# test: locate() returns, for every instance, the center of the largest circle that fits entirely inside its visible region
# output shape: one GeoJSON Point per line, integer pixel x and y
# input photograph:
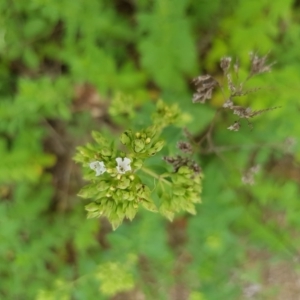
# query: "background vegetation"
{"type": "Point", "coordinates": [70, 67]}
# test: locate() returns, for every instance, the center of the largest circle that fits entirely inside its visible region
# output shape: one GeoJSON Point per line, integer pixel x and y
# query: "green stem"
{"type": "Point", "coordinates": [153, 174]}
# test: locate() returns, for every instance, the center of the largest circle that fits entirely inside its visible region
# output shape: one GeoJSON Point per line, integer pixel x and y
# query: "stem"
{"type": "Point", "coordinates": [156, 176]}
{"type": "Point", "coordinates": [208, 133]}
{"type": "Point", "coordinates": [222, 91]}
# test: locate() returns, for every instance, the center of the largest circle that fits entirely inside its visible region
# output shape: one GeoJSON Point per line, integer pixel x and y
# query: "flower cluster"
{"type": "Point", "coordinates": [120, 182]}
{"type": "Point", "coordinates": [179, 161]}
{"type": "Point", "coordinates": [123, 165]}
{"type": "Point", "coordinates": [235, 127]}
{"type": "Point", "coordinates": [142, 143]}
{"type": "Point", "coordinates": [185, 147]}
{"type": "Point", "coordinates": [206, 83]}
{"type": "Point", "coordinates": [186, 187]}
{"type": "Point", "coordinates": [225, 64]}
{"type": "Point", "coordinates": [258, 64]}
{"type": "Point", "coordinates": [244, 113]}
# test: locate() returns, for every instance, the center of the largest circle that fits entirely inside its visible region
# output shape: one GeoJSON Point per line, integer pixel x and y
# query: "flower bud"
{"type": "Point", "coordinates": [98, 137]}
{"type": "Point", "coordinates": [138, 164]}
{"type": "Point", "coordinates": [158, 146]}
{"type": "Point", "coordinates": [106, 152]}
{"type": "Point", "coordinates": [123, 184]}
{"type": "Point", "coordinates": [139, 145]}
{"type": "Point", "coordinates": [125, 138]}
{"type": "Point", "coordinates": [92, 207]}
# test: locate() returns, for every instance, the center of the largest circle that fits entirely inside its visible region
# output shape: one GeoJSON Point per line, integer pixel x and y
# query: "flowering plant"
{"type": "Point", "coordinates": [119, 182]}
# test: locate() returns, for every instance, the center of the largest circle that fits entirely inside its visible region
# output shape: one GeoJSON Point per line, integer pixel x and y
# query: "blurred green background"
{"type": "Point", "coordinates": [64, 65]}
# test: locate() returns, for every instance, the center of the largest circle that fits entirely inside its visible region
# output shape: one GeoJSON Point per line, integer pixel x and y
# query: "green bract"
{"type": "Point", "coordinates": [125, 184]}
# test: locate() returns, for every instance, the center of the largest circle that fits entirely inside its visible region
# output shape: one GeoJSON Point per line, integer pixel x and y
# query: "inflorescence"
{"type": "Point", "coordinates": [206, 84]}
{"type": "Point", "coordinates": [119, 182]}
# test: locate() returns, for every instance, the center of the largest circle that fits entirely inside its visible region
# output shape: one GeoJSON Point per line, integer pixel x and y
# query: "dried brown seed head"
{"type": "Point", "coordinates": [205, 85]}
{"type": "Point", "coordinates": [235, 127]}
{"type": "Point", "coordinates": [185, 147]}
{"type": "Point", "coordinates": [225, 63]}
{"type": "Point", "coordinates": [259, 64]}
{"type": "Point", "coordinates": [228, 103]}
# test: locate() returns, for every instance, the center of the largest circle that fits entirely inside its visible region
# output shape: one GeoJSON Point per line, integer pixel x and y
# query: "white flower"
{"type": "Point", "coordinates": [123, 165]}
{"type": "Point", "coordinates": [98, 166]}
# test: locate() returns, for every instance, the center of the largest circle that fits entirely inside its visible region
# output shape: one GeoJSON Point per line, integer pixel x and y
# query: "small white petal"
{"type": "Point", "coordinates": [126, 161]}
{"type": "Point", "coordinates": [123, 165]}
{"type": "Point", "coordinates": [98, 166]}
{"type": "Point", "coordinates": [119, 160]}
{"type": "Point", "coordinates": [93, 165]}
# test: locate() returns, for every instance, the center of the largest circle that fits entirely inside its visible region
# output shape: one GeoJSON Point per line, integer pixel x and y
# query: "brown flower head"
{"type": "Point", "coordinates": [204, 86]}
{"type": "Point", "coordinates": [179, 161]}
{"type": "Point", "coordinates": [228, 103]}
{"type": "Point", "coordinates": [247, 113]}
{"type": "Point", "coordinates": [185, 147]}
{"type": "Point", "coordinates": [225, 63]}
{"type": "Point", "coordinates": [235, 127]}
{"type": "Point", "coordinates": [258, 64]}
{"type": "Point", "coordinates": [242, 112]}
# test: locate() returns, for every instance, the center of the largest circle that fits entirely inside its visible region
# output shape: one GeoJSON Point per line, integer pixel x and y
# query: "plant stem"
{"type": "Point", "coordinates": [156, 176]}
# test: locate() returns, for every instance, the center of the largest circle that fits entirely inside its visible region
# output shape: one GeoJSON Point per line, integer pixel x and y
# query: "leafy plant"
{"type": "Point", "coordinates": [71, 67]}
{"type": "Point", "coordinates": [118, 189]}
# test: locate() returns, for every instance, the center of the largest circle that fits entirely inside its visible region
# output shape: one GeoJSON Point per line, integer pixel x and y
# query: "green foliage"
{"type": "Point", "coordinates": [166, 33]}
{"type": "Point", "coordinates": [116, 277]}
{"type": "Point", "coordinates": [70, 67]}
{"type": "Point", "coordinates": [112, 277]}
